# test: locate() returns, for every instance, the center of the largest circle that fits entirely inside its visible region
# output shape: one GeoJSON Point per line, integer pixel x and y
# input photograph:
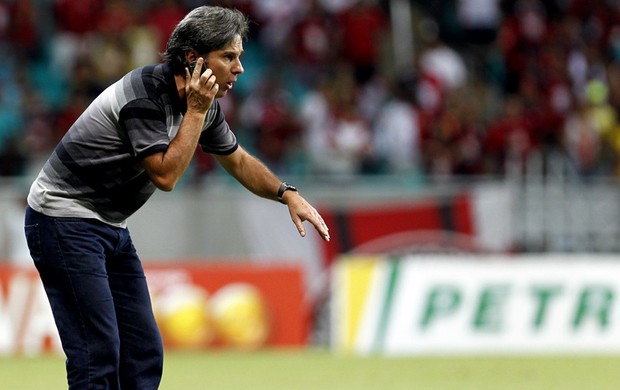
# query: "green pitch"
{"type": "Point", "coordinates": [315, 369]}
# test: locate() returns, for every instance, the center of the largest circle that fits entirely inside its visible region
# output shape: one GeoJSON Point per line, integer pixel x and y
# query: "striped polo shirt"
{"type": "Point", "coordinates": [95, 170]}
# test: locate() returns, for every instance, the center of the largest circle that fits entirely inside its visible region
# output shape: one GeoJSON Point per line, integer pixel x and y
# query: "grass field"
{"type": "Point", "coordinates": [321, 370]}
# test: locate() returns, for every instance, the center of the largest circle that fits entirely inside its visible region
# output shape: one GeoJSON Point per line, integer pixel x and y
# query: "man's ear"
{"type": "Point", "coordinates": [190, 56]}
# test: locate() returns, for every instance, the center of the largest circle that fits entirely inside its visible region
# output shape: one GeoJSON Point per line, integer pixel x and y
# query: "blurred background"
{"type": "Point", "coordinates": [417, 128]}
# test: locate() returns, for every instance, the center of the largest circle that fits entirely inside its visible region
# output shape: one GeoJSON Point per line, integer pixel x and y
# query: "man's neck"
{"type": "Point", "coordinates": [180, 83]}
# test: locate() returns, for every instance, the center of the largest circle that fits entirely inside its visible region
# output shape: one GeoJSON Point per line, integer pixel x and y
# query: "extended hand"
{"type": "Point", "coordinates": [301, 211]}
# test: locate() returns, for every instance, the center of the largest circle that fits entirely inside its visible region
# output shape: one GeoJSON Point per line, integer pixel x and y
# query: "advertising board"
{"type": "Point", "coordinates": [197, 305]}
{"type": "Point", "coordinates": [419, 305]}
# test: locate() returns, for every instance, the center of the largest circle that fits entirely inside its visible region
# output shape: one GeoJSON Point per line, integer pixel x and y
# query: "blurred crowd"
{"type": "Point", "coordinates": [488, 84]}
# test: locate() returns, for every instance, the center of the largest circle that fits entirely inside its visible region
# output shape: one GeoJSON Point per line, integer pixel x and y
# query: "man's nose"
{"type": "Point", "coordinates": [238, 67]}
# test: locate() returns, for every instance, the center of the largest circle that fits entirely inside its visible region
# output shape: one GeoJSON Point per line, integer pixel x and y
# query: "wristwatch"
{"type": "Point", "coordinates": [283, 188]}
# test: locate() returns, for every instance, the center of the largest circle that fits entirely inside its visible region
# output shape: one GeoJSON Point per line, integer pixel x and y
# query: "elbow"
{"type": "Point", "coordinates": [163, 177]}
{"type": "Point", "coordinates": [164, 184]}
{"type": "Point", "coordinates": [166, 187]}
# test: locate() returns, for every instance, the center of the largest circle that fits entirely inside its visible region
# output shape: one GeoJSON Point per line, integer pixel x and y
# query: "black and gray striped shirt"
{"type": "Point", "coordinates": [95, 170]}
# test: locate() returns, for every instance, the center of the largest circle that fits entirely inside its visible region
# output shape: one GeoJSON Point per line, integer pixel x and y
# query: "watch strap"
{"type": "Point", "coordinates": [283, 188]}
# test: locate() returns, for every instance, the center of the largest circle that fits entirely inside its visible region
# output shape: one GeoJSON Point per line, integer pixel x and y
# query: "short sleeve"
{"type": "Point", "coordinates": [217, 137]}
{"type": "Point", "coordinates": [144, 123]}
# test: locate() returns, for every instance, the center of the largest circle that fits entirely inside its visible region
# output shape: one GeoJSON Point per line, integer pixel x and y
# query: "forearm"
{"type": "Point", "coordinates": [251, 173]}
{"type": "Point", "coordinates": [166, 168]}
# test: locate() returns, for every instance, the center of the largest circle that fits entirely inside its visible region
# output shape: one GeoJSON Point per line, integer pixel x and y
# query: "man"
{"type": "Point", "coordinates": [138, 135]}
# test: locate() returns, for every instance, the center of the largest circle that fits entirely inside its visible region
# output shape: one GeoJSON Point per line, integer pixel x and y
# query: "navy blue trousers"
{"type": "Point", "coordinates": [96, 286]}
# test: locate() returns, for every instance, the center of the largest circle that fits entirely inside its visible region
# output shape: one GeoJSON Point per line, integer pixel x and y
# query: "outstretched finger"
{"type": "Point", "coordinates": [319, 224]}
{"type": "Point", "coordinates": [198, 67]}
{"type": "Point", "coordinates": [300, 226]}
{"type": "Point", "coordinates": [323, 230]}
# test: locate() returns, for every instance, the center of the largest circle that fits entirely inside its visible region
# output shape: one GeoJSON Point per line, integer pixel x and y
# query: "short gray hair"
{"type": "Point", "coordinates": [203, 30]}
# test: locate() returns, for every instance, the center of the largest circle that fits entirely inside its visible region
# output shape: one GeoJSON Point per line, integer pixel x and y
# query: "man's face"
{"type": "Point", "coordinates": [226, 65]}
